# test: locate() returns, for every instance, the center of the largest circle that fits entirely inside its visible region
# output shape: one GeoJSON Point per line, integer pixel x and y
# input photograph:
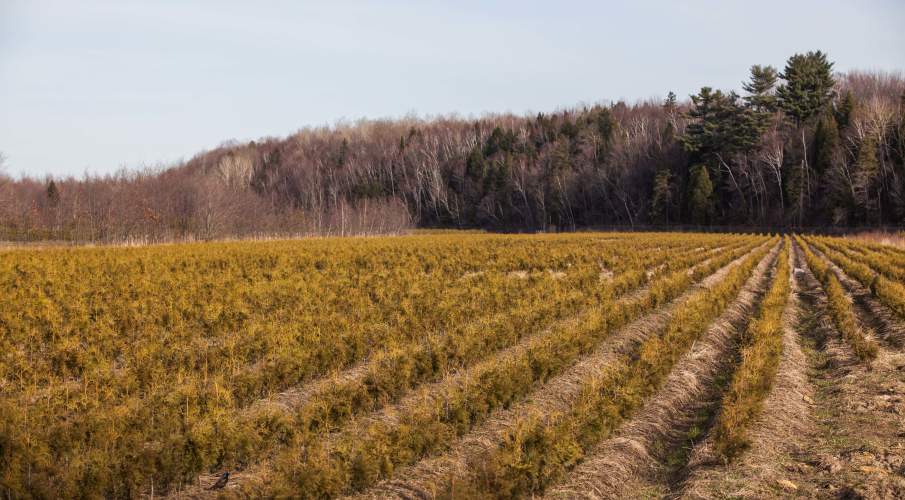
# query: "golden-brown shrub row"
{"type": "Point", "coordinates": [889, 255]}
{"type": "Point", "coordinates": [542, 448]}
{"type": "Point", "coordinates": [391, 373]}
{"type": "Point", "coordinates": [753, 378]}
{"type": "Point", "coordinates": [360, 455]}
{"type": "Point", "coordinates": [840, 306]}
{"type": "Point", "coordinates": [877, 262]}
{"type": "Point", "coordinates": [120, 367]}
{"type": "Point", "coordinates": [881, 272]}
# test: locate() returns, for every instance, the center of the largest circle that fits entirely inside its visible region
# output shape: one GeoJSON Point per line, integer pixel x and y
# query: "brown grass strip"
{"type": "Point", "coordinates": [636, 461]}
{"type": "Point", "coordinates": [429, 477]}
{"type": "Point", "coordinates": [779, 431]}
{"type": "Point", "coordinates": [840, 305]}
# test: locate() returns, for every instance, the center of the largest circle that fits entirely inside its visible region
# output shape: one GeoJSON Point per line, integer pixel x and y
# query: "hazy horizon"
{"type": "Point", "coordinates": [102, 85]}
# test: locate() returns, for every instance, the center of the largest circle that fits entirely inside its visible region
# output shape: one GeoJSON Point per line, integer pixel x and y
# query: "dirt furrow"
{"type": "Point", "coordinates": [853, 447]}
{"type": "Point", "coordinates": [295, 397]}
{"type": "Point", "coordinates": [390, 413]}
{"type": "Point", "coordinates": [778, 434]}
{"type": "Point", "coordinates": [874, 316]}
{"type": "Point", "coordinates": [642, 457]}
{"type": "Point", "coordinates": [387, 414]}
{"type": "Point", "coordinates": [426, 478]}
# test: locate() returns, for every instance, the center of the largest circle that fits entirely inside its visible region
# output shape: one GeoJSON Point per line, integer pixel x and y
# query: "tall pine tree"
{"type": "Point", "coordinates": [760, 88]}
{"type": "Point", "coordinates": [867, 172]}
{"type": "Point", "coordinates": [661, 197]}
{"type": "Point", "coordinates": [701, 189]}
{"type": "Point", "coordinates": [806, 93]}
{"type": "Point", "coordinates": [808, 88]}
{"type": "Point", "coordinates": [53, 194]}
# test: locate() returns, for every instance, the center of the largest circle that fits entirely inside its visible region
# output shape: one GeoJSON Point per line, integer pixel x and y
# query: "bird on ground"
{"type": "Point", "coordinates": [224, 478]}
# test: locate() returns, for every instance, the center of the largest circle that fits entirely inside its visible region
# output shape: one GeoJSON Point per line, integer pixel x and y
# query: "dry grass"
{"type": "Point", "coordinates": [753, 379]}
{"type": "Point", "coordinates": [542, 449]}
{"type": "Point", "coordinates": [895, 239]}
{"type": "Point", "coordinates": [638, 459]}
{"type": "Point", "coordinates": [140, 363]}
{"type": "Point", "coordinates": [840, 305]}
{"type": "Point", "coordinates": [431, 477]}
{"type": "Point", "coordinates": [778, 430]}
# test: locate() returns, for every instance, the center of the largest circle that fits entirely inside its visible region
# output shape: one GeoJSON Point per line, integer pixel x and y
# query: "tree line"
{"type": "Point", "coordinates": [800, 146]}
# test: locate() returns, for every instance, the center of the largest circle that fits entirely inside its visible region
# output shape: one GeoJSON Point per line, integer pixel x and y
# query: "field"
{"type": "Point", "coordinates": [456, 365]}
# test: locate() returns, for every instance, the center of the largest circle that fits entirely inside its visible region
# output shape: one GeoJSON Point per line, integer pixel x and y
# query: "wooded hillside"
{"type": "Point", "coordinates": [797, 146]}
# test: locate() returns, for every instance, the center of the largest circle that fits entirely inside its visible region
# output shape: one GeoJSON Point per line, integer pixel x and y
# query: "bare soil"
{"type": "Point", "coordinates": [833, 427]}
{"type": "Point", "coordinates": [646, 456]}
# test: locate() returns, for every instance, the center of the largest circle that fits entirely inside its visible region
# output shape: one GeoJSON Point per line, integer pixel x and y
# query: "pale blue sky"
{"type": "Point", "coordinates": [93, 85]}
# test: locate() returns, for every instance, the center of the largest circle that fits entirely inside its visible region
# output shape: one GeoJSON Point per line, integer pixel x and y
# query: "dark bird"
{"type": "Point", "coordinates": [220, 482]}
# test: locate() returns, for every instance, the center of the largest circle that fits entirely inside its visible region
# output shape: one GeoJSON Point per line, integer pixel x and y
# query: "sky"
{"type": "Point", "coordinates": [92, 86]}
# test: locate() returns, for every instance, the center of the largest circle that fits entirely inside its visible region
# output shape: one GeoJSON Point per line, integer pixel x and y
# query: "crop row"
{"type": "Point", "coordinates": [120, 364]}
{"type": "Point", "coordinates": [393, 371]}
{"type": "Point", "coordinates": [877, 261]}
{"type": "Point", "coordinates": [431, 420]}
{"type": "Point", "coordinates": [760, 354]}
{"type": "Point", "coordinates": [543, 448]}
{"type": "Point", "coordinates": [876, 272]}
{"type": "Point", "coordinates": [891, 258]}
{"type": "Point", "coordinates": [840, 306]}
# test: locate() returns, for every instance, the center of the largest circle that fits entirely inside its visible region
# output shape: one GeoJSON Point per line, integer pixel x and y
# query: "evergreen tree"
{"type": "Point", "coordinates": [761, 100]}
{"type": "Point", "coordinates": [605, 123]}
{"type": "Point", "coordinates": [834, 194]}
{"type": "Point", "coordinates": [808, 88]}
{"type": "Point", "coordinates": [605, 126]}
{"type": "Point", "coordinates": [474, 166]}
{"type": "Point", "coordinates": [760, 89]}
{"type": "Point", "coordinates": [343, 155]}
{"type": "Point", "coordinates": [826, 143]}
{"type": "Point", "coordinates": [720, 132]}
{"type": "Point", "coordinates": [867, 170]}
{"type": "Point", "coordinates": [720, 126]}
{"type": "Point", "coordinates": [703, 133]}
{"type": "Point", "coordinates": [474, 184]}
{"type": "Point", "coordinates": [844, 109]}
{"type": "Point", "coordinates": [670, 104]}
{"type": "Point", "coordinates": [661, 197]}
{"type": "Point", "coordinates": [561, 160]}
{"type": "Point", "coordinates": [499, 140]}
{"type": "Point", "coordinates": [701, 190]}
{"type": "Point", "coordinates": [53, 194]}
{"type": "Point", "coordinates": [501, 174]}
{"type": "Point", "coordinates": [806, 93]}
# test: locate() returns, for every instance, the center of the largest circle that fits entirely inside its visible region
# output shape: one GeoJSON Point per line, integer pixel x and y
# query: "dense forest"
{"type": "Point", "coordinates": [803, 146]}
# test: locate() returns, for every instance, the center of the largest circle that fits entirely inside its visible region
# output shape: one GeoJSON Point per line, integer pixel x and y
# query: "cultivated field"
{"type": "Point", "coordinates": [456, 365]}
